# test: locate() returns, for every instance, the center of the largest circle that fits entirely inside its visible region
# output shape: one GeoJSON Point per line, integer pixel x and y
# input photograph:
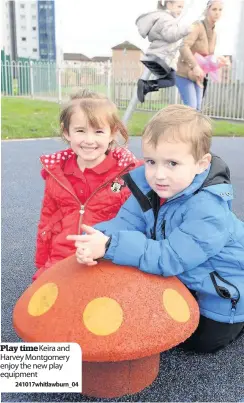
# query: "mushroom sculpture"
{"type": "Point", "coordinates": [121, 318]}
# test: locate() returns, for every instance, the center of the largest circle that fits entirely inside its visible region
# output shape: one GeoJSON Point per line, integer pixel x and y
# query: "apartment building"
{"type": "Point", "coordinates": [28, 29]}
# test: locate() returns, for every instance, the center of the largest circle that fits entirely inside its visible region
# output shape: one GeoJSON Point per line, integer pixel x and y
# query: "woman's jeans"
{"type": "Point", "coordinates": [191, 94]}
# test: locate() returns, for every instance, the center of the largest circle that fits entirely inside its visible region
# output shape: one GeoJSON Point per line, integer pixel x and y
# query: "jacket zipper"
{"type": "Point", "coordinates": [153, 231]}
{"type": "Point", "coordinates": [82, 206]}
{"type": "Point", "coordinates": [223, 293]}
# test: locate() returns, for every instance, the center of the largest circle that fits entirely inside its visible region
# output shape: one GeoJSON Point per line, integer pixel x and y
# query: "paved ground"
{"type": "Point", "coordinates": [183, 377]}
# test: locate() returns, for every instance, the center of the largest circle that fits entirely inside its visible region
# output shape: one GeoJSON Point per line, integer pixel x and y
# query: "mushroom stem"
{"type": "Point", "coordinates": [115, 379]}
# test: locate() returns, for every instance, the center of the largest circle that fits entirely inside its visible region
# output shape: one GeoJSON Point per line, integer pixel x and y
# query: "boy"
{"type": "Point", "coordinates": [178, 222]}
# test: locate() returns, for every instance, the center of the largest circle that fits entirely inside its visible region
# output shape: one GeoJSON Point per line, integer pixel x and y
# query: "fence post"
{"type": "Point", "coordinates": [109, 67]}
{"type": "Point", "coordinates": [31, 80]}
{"type": "Point", "coordinates": [6, 79]}
{"type": "Point", "coordinates": [48, 78]}
{"type": "Point", "coordinates": [134, 100]}
{"type": "Point", "coordinates": [175, 95]}
{"type": "Point", "coordinates": [59, 85]}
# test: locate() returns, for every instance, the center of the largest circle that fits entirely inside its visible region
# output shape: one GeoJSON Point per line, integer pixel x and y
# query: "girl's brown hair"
{"type": "Point", "coordinates": [98, 110]}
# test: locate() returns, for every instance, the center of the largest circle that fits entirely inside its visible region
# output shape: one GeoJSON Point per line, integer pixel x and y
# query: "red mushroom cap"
{"type": "Point", "coordinates": [113, 312]}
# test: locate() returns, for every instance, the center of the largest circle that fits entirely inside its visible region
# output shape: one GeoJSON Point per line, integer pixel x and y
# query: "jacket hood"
{"type": "Point", "coordinates": [50, 162]}
{"type": "Point", "coordinates": [145, 22]}
{"type": "Point", "coordinates": [216, 180]}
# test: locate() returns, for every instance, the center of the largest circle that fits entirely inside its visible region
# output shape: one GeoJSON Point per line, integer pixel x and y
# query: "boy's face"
{"type": "Point", "coordinates": [170, 167]}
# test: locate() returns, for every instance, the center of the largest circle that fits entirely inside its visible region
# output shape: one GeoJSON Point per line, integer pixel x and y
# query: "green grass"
{"type": "Point", "coordinates": [24, 118]}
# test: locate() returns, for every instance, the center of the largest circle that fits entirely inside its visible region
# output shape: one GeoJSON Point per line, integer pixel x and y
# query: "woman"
{"type": "Point", "coordinates": [202, 40]}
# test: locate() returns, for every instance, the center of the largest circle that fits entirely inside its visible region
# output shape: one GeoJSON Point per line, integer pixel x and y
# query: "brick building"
{"type": "Point", "coordinates": [126, 61]}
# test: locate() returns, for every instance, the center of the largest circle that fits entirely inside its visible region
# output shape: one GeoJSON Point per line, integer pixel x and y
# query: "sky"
{"type": "Point", "coordinates": [93, 27]}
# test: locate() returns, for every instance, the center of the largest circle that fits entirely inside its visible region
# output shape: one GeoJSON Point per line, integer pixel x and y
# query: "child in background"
{"type": "Point", "coordinates": [83, 182]}
{"type": "Point", "coordinates": [178, 222]}
{"type": "Point", "coordinates": [165, 31]}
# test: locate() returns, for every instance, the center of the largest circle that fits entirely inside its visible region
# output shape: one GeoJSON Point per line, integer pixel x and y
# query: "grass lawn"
{"type": "Point", "coordinates": [24, 118]}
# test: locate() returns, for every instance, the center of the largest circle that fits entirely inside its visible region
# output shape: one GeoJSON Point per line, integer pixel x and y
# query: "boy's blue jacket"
{"type": "Point", "coordinates": [193, 236]}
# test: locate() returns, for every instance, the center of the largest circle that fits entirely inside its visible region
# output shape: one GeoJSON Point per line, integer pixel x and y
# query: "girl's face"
{"type": "Point", "coordinates": [176, 7]}
{"type": "Point", "coordinates": [88, 143]}
{"type": "Point", "coordinates": [214, 12]}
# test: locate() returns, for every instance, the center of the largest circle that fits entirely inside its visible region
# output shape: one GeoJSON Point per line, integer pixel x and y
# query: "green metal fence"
{"type": "Point", "coordinates": [224, 99]}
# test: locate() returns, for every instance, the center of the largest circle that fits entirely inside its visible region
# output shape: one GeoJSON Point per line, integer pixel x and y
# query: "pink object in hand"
{"type": "Point", "coordinates": [210, 65]}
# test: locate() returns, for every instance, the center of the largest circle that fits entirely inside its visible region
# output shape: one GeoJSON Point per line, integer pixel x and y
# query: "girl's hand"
{"type": "Point", "coordinates": [84, 256]}
{"type": "Point", "coordinates": [94, 241]}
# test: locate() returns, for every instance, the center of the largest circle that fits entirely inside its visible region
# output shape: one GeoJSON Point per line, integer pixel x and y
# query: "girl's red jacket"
{"type": "Point", "coordinates": [62, 212]}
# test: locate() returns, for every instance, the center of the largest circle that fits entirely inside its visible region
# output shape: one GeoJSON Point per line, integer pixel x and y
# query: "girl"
{"type": "Point", "coordinates": [165, 31]}
{"type": "Point", "coordinates": [83, 182]}
{"type": "Point", "coordinates": [190, 78]}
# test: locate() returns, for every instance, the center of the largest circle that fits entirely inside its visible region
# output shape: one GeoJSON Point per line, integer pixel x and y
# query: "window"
{"type": "Point", "coordinates": [23, 27]}
{"type": "Point", "coordinates": [33, 6]}
{"type": "Point", "coordinates": [22, 5]}
{"type": "Point", "coordinates": [22, 17]}
{"type": "Point", "coordinates": [34, 38]}
{"type": "Point", "coordinates": [34, 50]}
{"type": "Point", "coordinates": [23, 38]}
{"type": "Point", "coordinates": [34, 17]}
{"type": "Point", "coordinates": [24, 49]}
{"type": "Point", "coordinates": [33, 28]}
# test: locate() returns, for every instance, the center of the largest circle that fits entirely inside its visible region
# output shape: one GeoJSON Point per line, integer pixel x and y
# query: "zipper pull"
{"type": "Point", "coordinates": [233, 309]}
{"type": "Point", "coordinates": [153, 234]}
{"type": "Point", "coordinates": [82, 210]}
{"type": "Point", "coordinates": [163, 229]}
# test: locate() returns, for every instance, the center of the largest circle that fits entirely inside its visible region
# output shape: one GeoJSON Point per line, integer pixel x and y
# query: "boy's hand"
{"type": "Point", "coordinates": [94, 241]}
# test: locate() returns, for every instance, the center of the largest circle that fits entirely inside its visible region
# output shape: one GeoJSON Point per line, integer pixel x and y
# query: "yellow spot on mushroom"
{"type": "Point", "coordinates": [176, 306]}
{"type": "Point", "coordinates": [43, 299]}
{"type": "Point", "coordinates": [103, 316]}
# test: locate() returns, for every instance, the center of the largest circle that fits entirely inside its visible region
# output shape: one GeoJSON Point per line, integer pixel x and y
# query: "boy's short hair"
{"type": "Point", "coordinates": [181, 123]}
